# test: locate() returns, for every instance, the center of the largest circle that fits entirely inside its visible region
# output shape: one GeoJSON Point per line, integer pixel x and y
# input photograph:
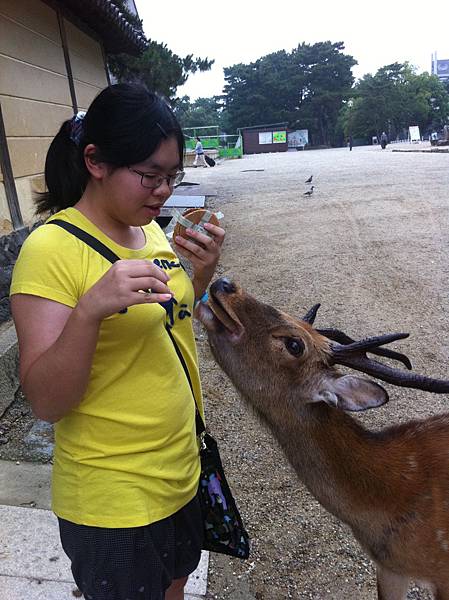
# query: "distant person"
{"type": "Point", "coordinates": [383, 140]}
{"type": "Point", "coordinates": [433, 138]}
{"type": "Point", "coordinates": [350, 142]}
{"type": "Point", "coordinates": [199, 155]}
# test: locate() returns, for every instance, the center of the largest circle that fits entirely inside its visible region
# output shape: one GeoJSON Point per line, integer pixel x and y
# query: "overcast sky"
{"type": "Point", "coordinates": [375, 33]}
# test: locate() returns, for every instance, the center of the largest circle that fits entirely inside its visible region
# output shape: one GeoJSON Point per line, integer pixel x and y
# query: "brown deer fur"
{"type": "Point", "coordinates": [390, 487]}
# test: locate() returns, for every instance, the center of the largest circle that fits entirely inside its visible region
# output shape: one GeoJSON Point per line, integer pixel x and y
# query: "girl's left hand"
{"type": "Point", "coordinates": [202, 251]}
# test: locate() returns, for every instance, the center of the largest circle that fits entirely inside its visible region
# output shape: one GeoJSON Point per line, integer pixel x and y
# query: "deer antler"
{"type": "Point", "coordinates": [310, 315]}
{"type": "Point", "coordinates": [341, 337]}
{"type": "Point", "coordinates": [353, 355]}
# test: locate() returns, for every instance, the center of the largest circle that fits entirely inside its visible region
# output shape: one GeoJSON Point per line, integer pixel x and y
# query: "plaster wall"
{"type": "Point", "coordinates": [35, 93]}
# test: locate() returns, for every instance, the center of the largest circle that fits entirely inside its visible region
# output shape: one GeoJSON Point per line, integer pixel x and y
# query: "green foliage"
{"type": "Point", "coordinates": [135, 21]}
{"type": "Point", "coordinates": [304, 87]}
{"type": "Point", "coordinates": [202, 112]}
{"type": "Point", "coordinates": [392, 100]}
{"type": "Point", "coordinates": [158, 68]}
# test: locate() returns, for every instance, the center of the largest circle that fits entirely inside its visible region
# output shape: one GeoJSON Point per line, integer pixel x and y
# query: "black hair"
{"type": "Point", "coordinates": [126, 123]}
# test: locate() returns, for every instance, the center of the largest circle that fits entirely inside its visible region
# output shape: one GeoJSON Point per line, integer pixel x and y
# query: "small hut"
{"type": "Point", "coordinates": [264, 138]}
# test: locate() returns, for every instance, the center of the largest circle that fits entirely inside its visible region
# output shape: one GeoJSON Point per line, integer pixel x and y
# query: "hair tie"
{"type": "Point", "coordinates": [76, 127]}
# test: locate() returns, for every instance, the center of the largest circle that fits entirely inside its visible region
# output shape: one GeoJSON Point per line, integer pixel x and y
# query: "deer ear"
{"type": "Point", "coordinates": [352, 393]}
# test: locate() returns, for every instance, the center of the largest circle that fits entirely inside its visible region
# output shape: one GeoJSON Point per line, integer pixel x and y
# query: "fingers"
{"type": "Point", "coordinates": [150, 296]}
{"type": "Point", "coordinates": [143, 268]}
{"type": "Point", "coordinates": [149, 285]}
{"type": "Point", "coordinates": [199, 243]}
{"type": "Point", "coordinates": [133, 281]}
{"type": "Point", "coordinates": [217, 232]}
{"type": "Point", "coordinates": [188, 247]}
{"type": "Point", "coordinates": [140, 275]}
{"type": "Point", "coordinates": [125, 283]}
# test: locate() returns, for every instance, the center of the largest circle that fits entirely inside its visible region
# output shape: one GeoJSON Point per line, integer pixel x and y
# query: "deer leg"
{"type": "Point", "coordinates": [391, 586]}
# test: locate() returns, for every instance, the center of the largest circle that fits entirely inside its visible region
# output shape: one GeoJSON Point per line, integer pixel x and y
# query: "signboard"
{"type": "Point", "coordinates": [298, 138]}
{"type": "Point", "coordinates": [265, 137]}
{"type": "Point", "coordinates": [279, 137]}
{"type": "Point", "coordinates": [443, 68]}
{"type": "Point", "coordinates": [414, 133]}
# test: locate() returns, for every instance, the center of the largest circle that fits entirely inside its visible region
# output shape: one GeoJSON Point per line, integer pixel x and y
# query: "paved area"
{"type": "Point", "coordinates": [417, 147]}
{"type": "Point", "coordinates": [32, 563]}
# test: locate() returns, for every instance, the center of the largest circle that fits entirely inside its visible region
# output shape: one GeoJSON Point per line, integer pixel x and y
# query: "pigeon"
{"type": "Point", "coordinates": [309, 180]}
{"type": "Point", "coordinates": [310, 192]}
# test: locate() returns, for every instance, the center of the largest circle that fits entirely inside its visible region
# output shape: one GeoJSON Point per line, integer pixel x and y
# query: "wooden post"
{"type": "Point", "coordinates": [105, 62]}
{"type": "Point", "coordinates": [68, 66]}
{"type": "Point", "coordinates": [8, 178]}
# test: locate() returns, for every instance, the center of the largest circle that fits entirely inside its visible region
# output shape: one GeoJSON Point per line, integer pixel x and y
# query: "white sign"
{"type": "Point", "coordinates": [300, 137]}
{"type": "Point", "coordinates": [266, 137]}
{"type": "Point", "coordinates": [414, 133]}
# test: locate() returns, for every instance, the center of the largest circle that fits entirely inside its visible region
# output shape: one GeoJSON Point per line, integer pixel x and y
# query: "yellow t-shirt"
{"type": "Point", "coordinates": [127, 455]}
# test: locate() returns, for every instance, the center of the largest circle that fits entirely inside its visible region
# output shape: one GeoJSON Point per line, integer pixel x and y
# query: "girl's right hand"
{"type": "Point", "coordinates": [126, 283]}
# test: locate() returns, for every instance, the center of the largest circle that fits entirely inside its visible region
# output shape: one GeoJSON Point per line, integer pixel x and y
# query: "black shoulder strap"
{"type": "Point", "coordinates": [200, 427]}
{"type": "Point", "coordinates": [87, 239]}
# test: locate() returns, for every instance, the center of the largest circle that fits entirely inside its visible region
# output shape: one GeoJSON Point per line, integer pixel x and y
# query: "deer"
{"type": "Point", "coordinates": [391, 487]}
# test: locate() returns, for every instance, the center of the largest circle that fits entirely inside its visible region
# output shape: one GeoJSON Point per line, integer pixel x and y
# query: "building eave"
{"type": "Point", "coordinates": [107, 22]}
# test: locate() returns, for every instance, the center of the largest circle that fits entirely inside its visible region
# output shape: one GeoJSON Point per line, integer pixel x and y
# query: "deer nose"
{"type": "Point", "coordinates": [223, 285]}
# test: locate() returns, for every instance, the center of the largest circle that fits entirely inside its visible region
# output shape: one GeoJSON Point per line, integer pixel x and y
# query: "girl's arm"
{"type": "Point", "coordinates": [56, 348]}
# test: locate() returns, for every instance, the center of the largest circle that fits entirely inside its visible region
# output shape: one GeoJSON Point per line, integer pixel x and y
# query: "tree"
{"type": "Point", "coordinates": [329, 82]}
{"type": "Point", "coordinates": [392, 100]}
{"type": "Point", "coordinates": [158, 68]}
{"type": "Point", "coordinates": [305, 87]}
{"type": "Point", "coordinates": [132, 18]}
{"type": "Point", "coordinates": [202, 112]}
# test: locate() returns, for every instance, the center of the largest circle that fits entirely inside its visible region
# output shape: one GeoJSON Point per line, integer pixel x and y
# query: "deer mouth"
{"type": "Point", "coordinates": [219, 318]}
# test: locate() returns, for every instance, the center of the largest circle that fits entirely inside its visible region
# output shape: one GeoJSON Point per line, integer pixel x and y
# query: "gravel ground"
{"type": "Point", "coordinates": [15, 425]}
{"type": "Point", "coordinates": [370, 244]}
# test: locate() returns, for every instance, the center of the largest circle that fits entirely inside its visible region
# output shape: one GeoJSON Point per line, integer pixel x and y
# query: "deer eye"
{"type": "Point", "coordinates": [294, 346]}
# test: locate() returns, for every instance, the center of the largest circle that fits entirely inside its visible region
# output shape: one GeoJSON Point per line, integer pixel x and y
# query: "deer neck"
{"type": "Point", "coordinates": [342, 464]}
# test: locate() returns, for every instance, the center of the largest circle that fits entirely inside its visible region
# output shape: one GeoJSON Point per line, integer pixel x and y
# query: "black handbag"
{"type": "Point", "coordinates": [224, 531]}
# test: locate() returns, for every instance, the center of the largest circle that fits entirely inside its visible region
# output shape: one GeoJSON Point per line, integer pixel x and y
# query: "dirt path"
{"type": "Point", "coordinates": [371, 244]}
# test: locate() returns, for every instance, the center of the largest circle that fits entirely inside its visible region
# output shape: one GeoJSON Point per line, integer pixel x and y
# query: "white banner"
{"type": "Point", "coordinates": [414, 133]}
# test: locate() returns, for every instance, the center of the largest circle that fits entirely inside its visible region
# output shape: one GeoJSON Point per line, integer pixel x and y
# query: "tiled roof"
{"type": "Point", "coordinates": [109, 23]}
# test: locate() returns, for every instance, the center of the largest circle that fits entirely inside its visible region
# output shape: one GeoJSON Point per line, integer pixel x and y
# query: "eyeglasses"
{"type": "Point", "coordinates": [151, 182]}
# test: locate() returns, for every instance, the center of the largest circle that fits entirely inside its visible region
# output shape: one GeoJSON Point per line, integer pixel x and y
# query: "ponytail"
{"type": "Point", "coordinates": [66, 175]}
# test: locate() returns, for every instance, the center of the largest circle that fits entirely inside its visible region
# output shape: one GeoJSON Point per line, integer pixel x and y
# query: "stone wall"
{"type": "Point", "coordinates": [9, 250]}
{"type": "Point", "coordinates": [10, 246]}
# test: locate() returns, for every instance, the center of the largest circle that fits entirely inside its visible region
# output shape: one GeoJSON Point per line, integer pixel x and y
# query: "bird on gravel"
{"type": "Point", "coordinates": [309, 180]}
{"type": "Point", "coordinates": [310, 192]}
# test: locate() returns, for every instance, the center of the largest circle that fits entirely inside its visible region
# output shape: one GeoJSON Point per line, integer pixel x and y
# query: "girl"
{"type": "Point", "coordinates": [107, 353]}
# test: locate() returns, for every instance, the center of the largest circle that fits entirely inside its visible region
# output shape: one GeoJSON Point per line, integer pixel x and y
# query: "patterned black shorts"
{"type": "Point", "coordinates": [136, 563]}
